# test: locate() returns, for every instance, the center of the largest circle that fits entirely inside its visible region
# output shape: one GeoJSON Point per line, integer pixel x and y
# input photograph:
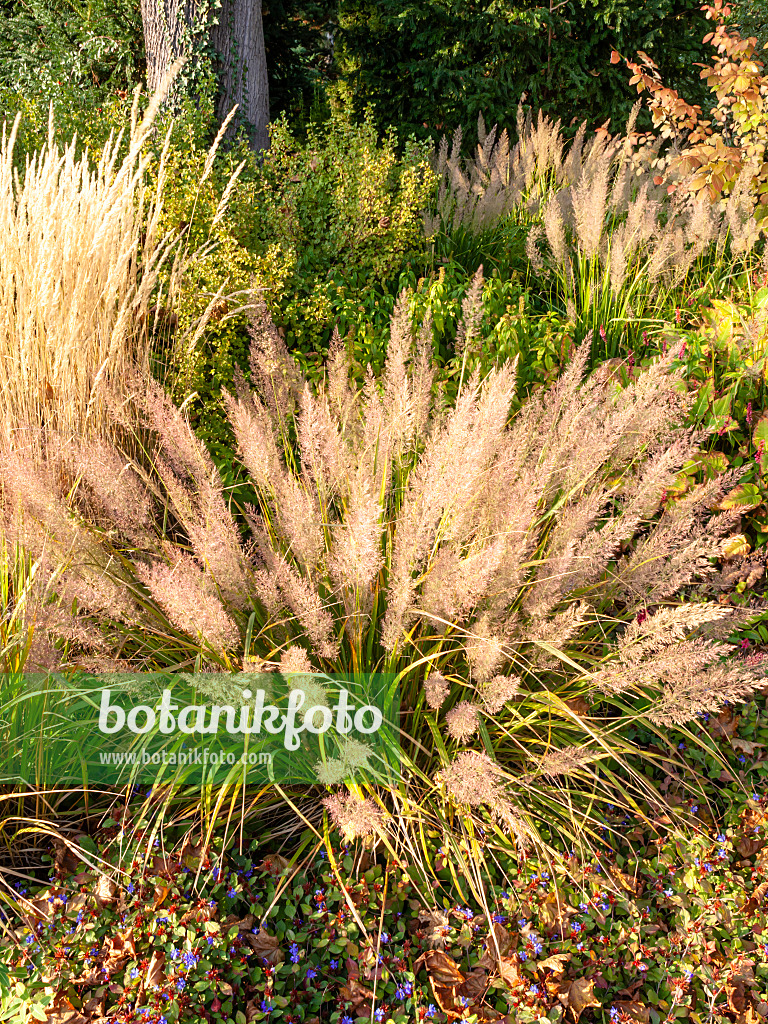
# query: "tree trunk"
{"type": "Point", "coordinates": [239, 40]}
{"type": "Point", "coordinates": [173, 28]}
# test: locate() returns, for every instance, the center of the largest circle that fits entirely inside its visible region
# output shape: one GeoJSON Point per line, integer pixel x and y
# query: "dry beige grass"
{"type": "Point", "coordinates": [80, 257]}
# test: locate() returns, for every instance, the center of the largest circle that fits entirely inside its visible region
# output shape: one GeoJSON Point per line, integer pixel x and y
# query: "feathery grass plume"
{"type": "Point", "coordinates": [692, 693]}
{"type": "Point", "coordinates": [74, 298]}
{"type": "Point", "coordinates": [617, 245]}
{"type": "Point", "coordinates": [355, 817]}
{"type": "Point", "coordinates": [436, 689]}
{"type": "Point", "coordinates": [472, 315]}
{"type": "Point", "coordinates": [564, 762]}
{"type": "Point", "coordinates": [186, 595]}
{"type": "Point", "coordinates": [498, 691]}
{"type": "Point", "coordinates": [475, 194]}
{"type": "Point", "coordinates": [472, 778]}
{"type": "Point", "coordinates": [462, 721]}
{"type": "Point", "coordinates": [456, 538]}
{"type": "Point", "coordinates": [295, 661]}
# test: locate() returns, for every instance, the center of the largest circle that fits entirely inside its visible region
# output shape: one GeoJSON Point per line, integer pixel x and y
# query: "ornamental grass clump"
{"type": "Point", "coordinates": [602, 232]}
{"type": "Point", "coordinates": [527, 580]}
{"type": "Point", "coordinates": [82, 256]}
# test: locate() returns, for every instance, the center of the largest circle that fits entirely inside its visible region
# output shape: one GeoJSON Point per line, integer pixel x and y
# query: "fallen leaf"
{"type": "Point", "coordinates": [746, 746]}
{"type": "Point", "coordinates": [581, 996]}
{"type": "Point", "coordinates": [509, 971]}
{"type": "Point", "coordinates": [498, 944]}
{"type": "Point", "coordinates": [435, 925]}
{"type": "Point", "coordinates": [155, 972]}
{"type": "Point", "coordinates": [274, 864]}
{"type": "Point", "coordinates": [446, 980]}
{"type": "Point", "coordinates": [105, 891]}
{"type": "Point", "coordinates": [755, 899]}
{"type": "Point", "coordinates": [266, 946]}
{"type": "Point", "coordinates": [635, 1010]}
{"type": "Point", "coordinates": [555, 963]}
{"type": "Point", "coordinates": [117, 949]}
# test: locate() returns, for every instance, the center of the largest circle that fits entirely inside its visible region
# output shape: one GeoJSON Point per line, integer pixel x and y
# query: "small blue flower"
{"type": "Point", "coordinates": [311, 973]}
{"type": "Point", "coordinates": [334, 965]}
{"type": "Point", "coordinates": [534, 990]}
{"type": "Point", "coordinates": [231, 892]}
{"type": "Point", "coordinates": [384, 937]}
{"type": "Point", "coordinates": [379, 1015]}
{"type": "Point", "coordinates": [294, 953]}
{"type": "Point", "coordinates": [189, 960]}
{"type": "Point", "coordinates": [431, 1011]}
{"type": "Point", "coordinates": [134, 973]}
{"type": "Point", "coordinates": [583, 907]}
{"type": "Point", "coordinates": [523, 955]}
{"type": "Point", "coordinates": [499, 918]}
{"type": "Point", "coordinates": [181, 984]}
{"type": "Point", "coordinates": [210, 940]}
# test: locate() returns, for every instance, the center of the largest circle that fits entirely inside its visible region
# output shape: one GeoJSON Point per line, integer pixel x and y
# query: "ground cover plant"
{"type": "Point", "coordinates": [644, 927]}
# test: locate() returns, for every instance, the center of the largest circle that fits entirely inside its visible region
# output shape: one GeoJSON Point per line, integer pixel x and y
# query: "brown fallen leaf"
{"type": "Point", "coordinates": [579, 706]}
{"type": "Point", "coordinates": [105, 891]}
{"type": "Point", "coordinates": [475, 985]}
{"type": "Point", "coordinates": [628, 882]}
{"type": "Point", "coordinates": [581, 996]}
{"type": "Point", "coordinates": [725, 724]}
{"type": "Point", "coordinates": [65, 861]}
{"type": "Point", "coordinates": [509, 971]}
{"type": "Point", "coordinates": [497, 944]}
{"type": "Point", "coordinates": [355, 992]}
{"type": "Point", "coordinates": [274, 864]}
{"type": "Point", "coordinates": [755, 899]}
{"type": "Point", "coordinates": [745, 746]}
{"type": "Point", "coordinates": [555, 963]}
{"type": "Point", "coordinates": [635, 1010]}
{"type": "Point", "coordinates": [435, 926]}
{"type": "Point", "coordinates": [266, 946]}
{"type": "Point", "coordinates": [446, 980]}
{"type": "Point", "coordinates": [156, 971]}
{"type": "Point", "coordinates": [117, 949]}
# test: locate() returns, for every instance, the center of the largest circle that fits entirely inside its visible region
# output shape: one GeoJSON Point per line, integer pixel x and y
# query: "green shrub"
{"type": "Point", "coordinates": [433, 67]}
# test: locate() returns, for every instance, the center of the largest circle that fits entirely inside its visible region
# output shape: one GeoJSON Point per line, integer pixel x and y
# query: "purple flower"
{"type": "Point", "coordinates": [294, 953]}
{"type": "Point", "coordinates": [181, 984]}
{"type": "Point", "coordinates": [334, 965]}
{"type": "Point", "coordinates": [311, 973]}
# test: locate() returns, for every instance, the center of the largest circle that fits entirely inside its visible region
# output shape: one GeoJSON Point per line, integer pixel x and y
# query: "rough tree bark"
{"type": "Point", "coordinates": [238, 41]}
